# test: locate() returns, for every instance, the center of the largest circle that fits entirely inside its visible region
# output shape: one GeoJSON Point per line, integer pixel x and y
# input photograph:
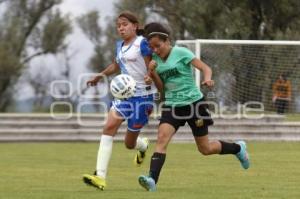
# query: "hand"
{"type": "Point", "coordinates": [148, 80]}
{"type": "Point", "coordinates": [209, 83]}
{"type": "Point", "coordinates": [152, 65]}
{"type": "Point", "coordinates": [274, 99]}
{"type": "Point", "coordinates": [94, 81]}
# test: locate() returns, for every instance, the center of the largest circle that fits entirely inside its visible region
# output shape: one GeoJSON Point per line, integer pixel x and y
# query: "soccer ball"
{"type": "Point", "coordinates": [123, 86]}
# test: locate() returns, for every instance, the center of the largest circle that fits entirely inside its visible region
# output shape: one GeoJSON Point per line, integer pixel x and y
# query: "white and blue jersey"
{"type": "Point", "coordinates": [130, 58]}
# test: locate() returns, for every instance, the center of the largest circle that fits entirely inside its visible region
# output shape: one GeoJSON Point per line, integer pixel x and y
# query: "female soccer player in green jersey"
{"type": "Point", "coordinates": [183, 103]}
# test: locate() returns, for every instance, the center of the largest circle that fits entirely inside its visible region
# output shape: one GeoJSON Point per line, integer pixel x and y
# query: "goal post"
{"type": "Point", "coordinates": [245, 70]}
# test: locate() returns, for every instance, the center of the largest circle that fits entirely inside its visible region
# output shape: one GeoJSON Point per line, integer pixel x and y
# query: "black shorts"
{"type": "Point", "coordinates": [195, 114]}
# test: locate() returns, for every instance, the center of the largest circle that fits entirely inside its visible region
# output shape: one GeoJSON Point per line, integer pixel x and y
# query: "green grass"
{"type": "Point", "coordinates": [53, 170]}
{"type": "Point", "coordinates": [292, 117]}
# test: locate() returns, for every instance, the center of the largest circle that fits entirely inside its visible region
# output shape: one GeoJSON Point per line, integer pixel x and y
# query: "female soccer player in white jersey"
{"type": "Point", "coordinates": [183, 103]}
{"type": "Point", "coordinates": [132, 57]}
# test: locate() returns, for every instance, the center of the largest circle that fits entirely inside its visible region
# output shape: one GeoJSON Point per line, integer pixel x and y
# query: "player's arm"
{"type": "Point", "coordinates": [152, 76]}
{"type": "Point", "coordinates": [275, 92]}
{"type": "Point", "coordinates": [157, 81]}
{"type": "Point", "coordinates": [206, 70]}
{"type": "Point", "coordinates": [289, 90]}
{"type": "Point", "coordinates": [109, 70]}
{"type": "Point", "coordinates": [146, 52]}
{"type": "Point", "coordinates": [147, 77]}
{"type": "Point", "coordinates": [155, 77]}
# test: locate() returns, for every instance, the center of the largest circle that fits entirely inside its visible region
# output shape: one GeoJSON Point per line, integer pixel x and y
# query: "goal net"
{"type": "Point", "coordinates": [246, 70]}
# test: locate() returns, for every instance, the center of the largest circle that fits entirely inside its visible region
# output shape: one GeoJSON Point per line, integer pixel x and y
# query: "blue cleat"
{"type": "Point", "coordinates": [243, 155]}
{"type": "Point", "coordinates": [147, 182]}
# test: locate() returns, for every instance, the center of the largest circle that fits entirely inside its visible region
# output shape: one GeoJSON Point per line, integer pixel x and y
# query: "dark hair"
{"type": "Point", "coordinates": [133, 19]}
{"type": "Point", "coordinates": [156, 29]}
{"type": "Point", "coordinates": [283, 76]}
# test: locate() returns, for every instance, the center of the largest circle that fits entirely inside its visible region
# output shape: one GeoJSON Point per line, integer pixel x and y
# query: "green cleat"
{"type": "Point", "coordinates": [140, 155]}
{"type": "Point", "coordinates": [95, 181]}
{"type": "Point", "coordinates": [243, 156]}
{"type": "Point", "coordinates": [147, 183]}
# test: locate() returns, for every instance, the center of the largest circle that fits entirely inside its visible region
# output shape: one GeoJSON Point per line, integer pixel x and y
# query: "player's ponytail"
{"type": "Point", "coordinates": [140, 31]}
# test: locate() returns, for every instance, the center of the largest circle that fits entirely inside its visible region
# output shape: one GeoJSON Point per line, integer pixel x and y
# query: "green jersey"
{"type": "Point", "coordinates": [177, 75]}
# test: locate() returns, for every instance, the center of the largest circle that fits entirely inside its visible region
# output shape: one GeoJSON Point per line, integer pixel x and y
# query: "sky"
{"type": "Point", "coordinates": [77, 41]}
{"type": "Point", "coordinates": [79, 7]}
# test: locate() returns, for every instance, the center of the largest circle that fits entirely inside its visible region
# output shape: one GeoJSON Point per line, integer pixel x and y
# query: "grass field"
{"type": "Point", "coordinates": [53, 170]}
{"type": "Point", "coordinates": [292, 117]}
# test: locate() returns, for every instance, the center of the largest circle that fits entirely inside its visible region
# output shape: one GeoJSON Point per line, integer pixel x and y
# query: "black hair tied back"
{"type": "Point", "coordinates": [156, 29]}
{"type": "Point", "coordinates": [140, 31]}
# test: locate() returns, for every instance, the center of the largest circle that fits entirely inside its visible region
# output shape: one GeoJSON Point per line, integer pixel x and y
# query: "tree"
{"type": "Point", "coordinates": [220, 19]}
{"type": "Point", "coordinates": [90, 26]}
{"type": "Point", "coordinates": [268, 20]}
{"type": "Point", "coordinates": [29, 28]}
{"type": "Point", "coordinates": [235, 19]}
{"type": "Point", "coordinates": [40, 81]}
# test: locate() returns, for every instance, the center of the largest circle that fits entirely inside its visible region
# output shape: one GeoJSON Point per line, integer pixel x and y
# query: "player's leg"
{"type": "Point", "coordinates": [134, 141]}
{"type": "Point", "coordinates": [207, 147]}
{"type": "Point", "coordinates": [279, 106]}
{"type": "Point", "coordinates": [143, 107]}
{"type": "Point", "coordinates": [284, 106]}
{"type": "Point", "coordinates": [105, 149]}
{"type": "Point", "coordinates": [114, 121]}
{"type": "Point", "coordinates": [165, 133]}
{"type": "Point", "coordinates": [199, 124]}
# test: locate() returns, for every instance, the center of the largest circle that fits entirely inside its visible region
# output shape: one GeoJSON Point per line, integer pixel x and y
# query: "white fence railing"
{"type": "Point", "coordinates": [42, 127]}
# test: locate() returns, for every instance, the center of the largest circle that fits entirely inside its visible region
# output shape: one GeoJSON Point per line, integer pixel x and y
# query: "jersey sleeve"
{"type": "Point", "coordinates": [145, 49]}
{"type": "Point", "coordinates": [118, 47]}
{"type": "Point", "coordinates": [186, 55]}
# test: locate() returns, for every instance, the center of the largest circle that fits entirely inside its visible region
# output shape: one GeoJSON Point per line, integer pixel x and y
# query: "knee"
{"type": "Point", "coordinates": [162, 141]}
{"type": "Point", "coordinates": [163, 137]}
{"type": "Point", "coordinates": [109, 128]}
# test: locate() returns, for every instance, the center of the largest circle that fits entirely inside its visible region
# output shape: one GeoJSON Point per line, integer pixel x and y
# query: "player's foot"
{"type": "Point", "coordinates": [95, 181]}
{"type": "Point", "coordinates": [243, 155]}
{"type": "Point", "coordinates": [147, 182]}
{"type": "Point", "coordinates": [140, 155]}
